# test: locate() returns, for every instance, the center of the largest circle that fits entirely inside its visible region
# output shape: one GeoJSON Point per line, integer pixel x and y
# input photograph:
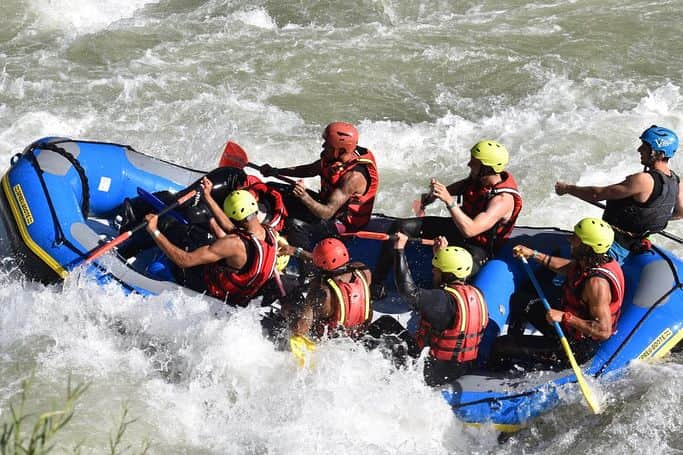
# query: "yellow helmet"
{"type": "Point", "coordinates": [455, 260]}
{"type": "Point", "coordinates": [282, 260]}
{"type": "Point", "coordinates": [492, 154]}
{"type": "Point", "coordinates": [239, 205]}
{"type": "Point", "coordinates": [595, 233]}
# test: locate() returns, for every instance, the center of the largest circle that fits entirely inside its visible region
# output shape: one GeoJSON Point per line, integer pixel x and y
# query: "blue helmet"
{"type": "Point", "coordinates": [661, 140]}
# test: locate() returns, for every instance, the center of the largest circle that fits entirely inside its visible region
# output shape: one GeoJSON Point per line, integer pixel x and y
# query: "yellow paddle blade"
{"type": "Point", "coordinates": [302, 348]}
{"type": "Point", "coordinates": [587, 392]}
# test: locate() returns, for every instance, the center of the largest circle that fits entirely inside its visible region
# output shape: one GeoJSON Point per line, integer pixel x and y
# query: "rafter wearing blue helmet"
{"type": "Point", "coordinates": [644, 202]}
{"type": "Point", "coordinates": [661, 140]}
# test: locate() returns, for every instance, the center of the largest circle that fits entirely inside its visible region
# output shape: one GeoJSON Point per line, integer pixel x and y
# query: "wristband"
{"type": "Point", "coordinates": [534, 254]}
{"type": "Point", "coordinates": [566, 317]}
{"type": "Point", "coordinates": [156, 233]}
{"type": "Point", "coordinates": [451, 205]}
{"type": "Point", "coordinates": [298, 251]}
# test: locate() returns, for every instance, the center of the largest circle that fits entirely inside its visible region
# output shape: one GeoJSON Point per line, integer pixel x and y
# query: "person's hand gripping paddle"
{"type": "Point", "coordinates": [583, 385]}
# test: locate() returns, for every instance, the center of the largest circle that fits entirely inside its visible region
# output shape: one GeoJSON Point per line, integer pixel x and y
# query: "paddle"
{"type": "Point", "coordinates": [565, 344]}
{"type": "Point", "coordinates": [235, 156]}
{"type": "Point", "coordinates": [668, 235]}
{"type": "Point", "coordinates": [419, 204]}
{"type": "Point", "coordinates": [159, 205]}
{"type": "Point", "coordinates": [100, 250]}
{"type": "Point", "coordinates": [302, 348]}
{"type": "Point", "coordinates": [384, 236]}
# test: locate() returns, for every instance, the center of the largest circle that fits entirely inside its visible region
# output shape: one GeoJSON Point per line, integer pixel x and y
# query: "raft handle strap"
{"type": "Point", "coordinates": [60, 238]}
{"type": "Point", "coordinates": [85, 207]}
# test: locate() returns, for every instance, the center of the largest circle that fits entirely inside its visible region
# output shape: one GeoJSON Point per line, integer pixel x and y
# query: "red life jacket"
{"type": "Point", "coordinates": [357, 211]}
{"type": "Point", "coordinates": [475, 201]}
{"type": "Point", "coordinates": [461, 341]}
{"type": "Point", "coordinates": [239, 287]}
{"type": "Point", "coordinates": [351, 303]}
{"type": "Point", "coordinates": [271, 198]}
{"type": "Point", "coordinates": [573, 287]}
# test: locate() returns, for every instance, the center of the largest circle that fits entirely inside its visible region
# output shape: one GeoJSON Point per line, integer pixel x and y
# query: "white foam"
{"type": "Point", "coordinates": [257, 17]}
{"type": "Point", "coordinates": [200, 383]}
{"type": "Point", "coordinates": [34, 125]}
{"type": "Point", "coordinates": [84, 16]}
{"type": "Point", "coordinates": [663, 105]}
{"type": "Point", "coordinates": [189, 375]}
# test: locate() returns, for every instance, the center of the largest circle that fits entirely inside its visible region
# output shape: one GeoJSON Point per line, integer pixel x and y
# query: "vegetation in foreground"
{"type": "Point", "coordinates": [15, 438]}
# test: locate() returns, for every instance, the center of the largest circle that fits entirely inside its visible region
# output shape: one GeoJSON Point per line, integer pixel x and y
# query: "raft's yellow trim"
{"type": "Point", "coordinates": [23, 231]}
{"type": "Point", "coordinates": [503, 427]}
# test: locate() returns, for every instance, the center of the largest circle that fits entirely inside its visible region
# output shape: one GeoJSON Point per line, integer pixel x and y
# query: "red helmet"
{"type": "Point", "coordinates": [330, 254]}
{"type": "Point", "coordinates": [341, 136]}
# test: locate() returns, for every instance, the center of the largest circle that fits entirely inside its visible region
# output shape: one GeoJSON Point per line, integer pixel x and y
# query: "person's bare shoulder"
{"type": "Point", "coordinates": [354, 182]}
{"type": "Point", "coordinates": [227, 243]}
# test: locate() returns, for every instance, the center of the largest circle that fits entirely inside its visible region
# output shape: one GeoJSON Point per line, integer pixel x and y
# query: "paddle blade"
{"type": "Point", "coordinates": [370, 235]}
{"type": "Point", "coordinates": [583, 385]}
{"type": "Point", "coordinates": [367, 235]}
{"type": "Point", "coordinates": [233, 156]}
{"type": "Point", "coordinates": [302, 348]}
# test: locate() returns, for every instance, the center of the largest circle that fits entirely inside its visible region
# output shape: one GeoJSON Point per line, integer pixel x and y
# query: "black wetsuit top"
{"type": "Point", "coordinates": [636, 219]}
{"type": "Point", "coordinates": [434, 305]}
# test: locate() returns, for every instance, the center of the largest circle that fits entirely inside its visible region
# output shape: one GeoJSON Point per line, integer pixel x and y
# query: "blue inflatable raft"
{"type": "Point", "coordinates": [650, 326]}
{"type": "Point", "coordinates": [60, 199]}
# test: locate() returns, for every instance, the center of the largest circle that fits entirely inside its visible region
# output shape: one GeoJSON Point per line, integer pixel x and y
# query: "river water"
{"type": "Point", "coordinates": [567, 86]}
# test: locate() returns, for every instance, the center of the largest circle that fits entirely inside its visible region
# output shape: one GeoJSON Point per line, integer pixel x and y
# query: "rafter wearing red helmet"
{"type": "Point", "coordinates": [349, 182]}
{"type": "Point", "coordinates": [338, 298]}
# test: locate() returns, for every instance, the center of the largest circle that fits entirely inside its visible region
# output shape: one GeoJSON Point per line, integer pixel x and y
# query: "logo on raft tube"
{"type": "Point", "coordinates": [23, 205]}
{"type": "Point", "coordinates": [656, 344]}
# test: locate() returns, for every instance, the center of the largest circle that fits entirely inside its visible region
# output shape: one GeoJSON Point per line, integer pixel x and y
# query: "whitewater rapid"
{"type": "Point", "coordinates": [566, 86]}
